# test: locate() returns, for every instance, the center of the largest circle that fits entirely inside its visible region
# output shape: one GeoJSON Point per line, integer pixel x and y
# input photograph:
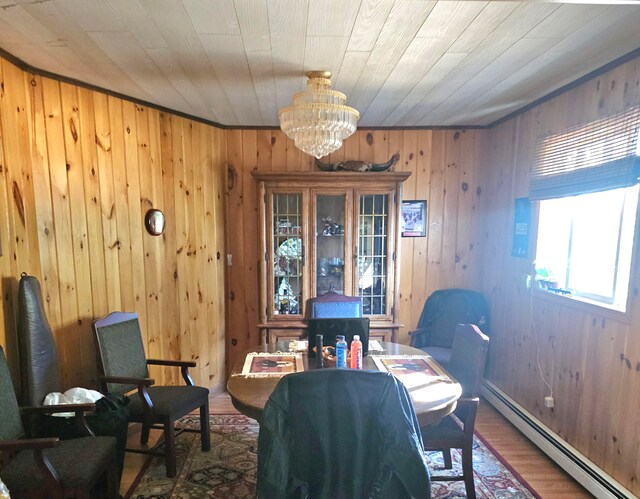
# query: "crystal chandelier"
{"type": "Point", "coordinates": [318, 120]}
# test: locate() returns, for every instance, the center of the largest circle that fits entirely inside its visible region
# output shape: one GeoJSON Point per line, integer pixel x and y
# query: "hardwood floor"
{"type": "Point", "coordinates": [546, 477]}
{"type": "Point", "coordinates": [540, 472]}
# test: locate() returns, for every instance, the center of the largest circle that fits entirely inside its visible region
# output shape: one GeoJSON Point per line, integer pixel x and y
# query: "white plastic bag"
{"type": "Point", "coordinates": [4, 491]}
{"type": "Point", "coordinates": [71, 396]}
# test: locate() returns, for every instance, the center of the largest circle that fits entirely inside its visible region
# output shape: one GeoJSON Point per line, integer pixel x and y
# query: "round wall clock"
{"type": "Point", "coordinates": [154, 222]}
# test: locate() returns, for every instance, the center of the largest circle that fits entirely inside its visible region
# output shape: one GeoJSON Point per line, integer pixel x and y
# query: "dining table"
{"type": "Point", "coordinates": [433, 397]}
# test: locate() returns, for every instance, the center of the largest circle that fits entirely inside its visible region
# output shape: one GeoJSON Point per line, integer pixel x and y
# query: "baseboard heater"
{"type": "Point", "coordinates": [590, 476]}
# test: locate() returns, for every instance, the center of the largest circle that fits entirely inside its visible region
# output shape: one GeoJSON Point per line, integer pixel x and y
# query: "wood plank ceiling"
{"type": "Point", "coordinates": [400, 62]}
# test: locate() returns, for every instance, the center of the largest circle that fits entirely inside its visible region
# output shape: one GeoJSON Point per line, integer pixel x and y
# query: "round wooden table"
{"type": "Point", "coordinates": [432, 402]}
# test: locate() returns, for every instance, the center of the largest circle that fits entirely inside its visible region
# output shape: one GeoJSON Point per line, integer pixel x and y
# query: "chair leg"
{"type": "Point", "coordinates": [170, 449]}
{"type": "Point", "coordinates": [446, 456]}
{"type": "Point", "coordinates": [205, 432]}
{"type": "Point", "coordinates": [467, 472]}
{"type": "Point", "coordinates": [144, 434]}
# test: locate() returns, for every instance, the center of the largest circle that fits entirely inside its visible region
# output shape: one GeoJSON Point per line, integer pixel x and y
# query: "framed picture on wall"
{"type": "Point", "coordinates": [414, 219]}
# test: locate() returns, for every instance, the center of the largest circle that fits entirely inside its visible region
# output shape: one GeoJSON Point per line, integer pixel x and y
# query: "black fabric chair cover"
{"type": "Point", "coordinates": [40, 375]}
{"type": "Point", "coordinates": [39, 361]}
{"type": "Point", "coordinates": [332, 433]}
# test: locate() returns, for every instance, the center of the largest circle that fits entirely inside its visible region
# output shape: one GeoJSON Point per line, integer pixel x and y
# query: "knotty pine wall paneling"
{"type": "Point", "coordinates": [589, 356]}
{"type": "Point", "coordinates": [78, 171]}
{"type": "Point", "coordinates": [444, 166]}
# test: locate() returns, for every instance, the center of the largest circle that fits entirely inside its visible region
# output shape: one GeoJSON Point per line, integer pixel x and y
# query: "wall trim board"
{"type": "Point", "coordinates": [585, 472]}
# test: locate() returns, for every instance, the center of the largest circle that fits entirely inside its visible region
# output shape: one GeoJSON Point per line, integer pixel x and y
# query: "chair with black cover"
{"type": "Point", "coordinates": [124, 367]}
{"type": "Point", "coordinates": [40, 375]}
{"type": "Point", "coordinates": [442, 312]}
{"type": "Point", "coordinates": [48, 467]}
{"type": "Point", "coordinates": [331, 433]}
{"type": "Point", "coordinates": [467, 365]}
{"type": "Point", "coordinates": [39, 360]}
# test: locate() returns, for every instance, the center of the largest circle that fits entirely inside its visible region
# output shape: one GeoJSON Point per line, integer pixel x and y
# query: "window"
{"type": "Point", "coordinates": [586, 179]}
{"type": "Point", "coordinates": [585, 244]}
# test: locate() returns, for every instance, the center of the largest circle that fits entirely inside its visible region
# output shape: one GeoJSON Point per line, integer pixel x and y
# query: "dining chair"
{"type": "Point", "coordinates": [49, 467]}
{"type": "Point", "coordinates": [338, 433]}
{"type": "Point", "coordinates": [124, 367]}
{"type": "Point", "coordinates": [468, 358]}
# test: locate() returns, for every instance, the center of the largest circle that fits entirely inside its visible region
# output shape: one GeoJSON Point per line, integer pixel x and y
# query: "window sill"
{"type": "Point", "coordinates": [583, 304]}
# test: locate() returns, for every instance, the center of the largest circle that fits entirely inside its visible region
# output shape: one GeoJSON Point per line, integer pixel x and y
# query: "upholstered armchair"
{"type": "Point", "coordinates": [48, 467]}
{"type": "Point", "coordinates": [124, 367]}
{"type": "Point", "coordinates": [442, 312]}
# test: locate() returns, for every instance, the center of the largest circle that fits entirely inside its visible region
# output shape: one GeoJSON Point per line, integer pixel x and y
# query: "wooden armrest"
{"type": "Point", "coordinates": [78, 410]}
{"type": "Point", "coordinates": [124, 380]}
{"type": "Point", "coordinates": [33, 443]}
{"type": "Point", "coordinates": [419, 337]}
{"type": "Point", "coordinates": [184, 366]}
{"type": "Point", "coordinates": [54, 409]}
{"type": "Point", "coordinates": [176, 363]}
{"type": "Point", "coordinates": [37, 445]}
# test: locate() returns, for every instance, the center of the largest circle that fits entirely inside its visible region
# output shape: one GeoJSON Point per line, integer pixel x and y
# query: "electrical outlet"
{"type": "Point", "coordinates": [548, 401]}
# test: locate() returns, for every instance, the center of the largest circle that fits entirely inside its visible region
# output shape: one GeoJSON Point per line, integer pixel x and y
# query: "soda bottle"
{"type": "Point", "coordinates": [356, 352]}
{"type": "Point", "coordinates": [341, 351]}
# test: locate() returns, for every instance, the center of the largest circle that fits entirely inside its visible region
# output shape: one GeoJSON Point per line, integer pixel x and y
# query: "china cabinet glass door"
{"type": "Point", "coordinates": [286, 254]}
{"type": "Point", "coordinates": [372, 256]}
{"type": "Point", "coordinates": [330, 243]}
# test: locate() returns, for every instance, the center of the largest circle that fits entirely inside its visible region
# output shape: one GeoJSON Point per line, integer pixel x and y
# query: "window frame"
{"type": "Point", "coordinates": [580, 302]}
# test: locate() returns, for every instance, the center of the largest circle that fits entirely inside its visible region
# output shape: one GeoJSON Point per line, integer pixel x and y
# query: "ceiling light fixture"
{"type": "Point", "coordinates": [318, 119]}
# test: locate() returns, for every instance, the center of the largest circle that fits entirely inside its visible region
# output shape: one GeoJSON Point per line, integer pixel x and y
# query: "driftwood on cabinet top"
{"type": "Point", "coordinates": [358, 166]}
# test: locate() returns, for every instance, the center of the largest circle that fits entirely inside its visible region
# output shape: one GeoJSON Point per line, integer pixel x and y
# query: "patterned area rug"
{"type": "Point", "coordinates": [229, 470]}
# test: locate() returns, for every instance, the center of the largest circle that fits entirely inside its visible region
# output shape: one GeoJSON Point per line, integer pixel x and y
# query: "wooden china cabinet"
{"type": "Point", "coordinates": [328, 231]}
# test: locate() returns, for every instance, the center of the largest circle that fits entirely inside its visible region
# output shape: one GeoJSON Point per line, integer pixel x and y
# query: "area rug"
{"type": "Point", "coordinates": [229, 470]}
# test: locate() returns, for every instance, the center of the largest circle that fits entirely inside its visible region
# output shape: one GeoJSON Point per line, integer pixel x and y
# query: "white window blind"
{"type": "Point", "coordinates": [591, 157]}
